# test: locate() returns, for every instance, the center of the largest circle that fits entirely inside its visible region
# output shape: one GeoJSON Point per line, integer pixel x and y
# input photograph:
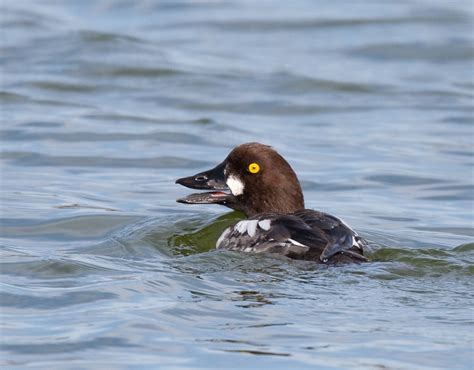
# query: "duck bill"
{"type": "Point", "coordinates": [213, 179]}
{"type": "Point", "coordinates": [212, 197]}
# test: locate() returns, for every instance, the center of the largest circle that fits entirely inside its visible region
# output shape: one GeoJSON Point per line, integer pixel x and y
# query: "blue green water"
{"type": "Point", "coordinates": [105, 103]}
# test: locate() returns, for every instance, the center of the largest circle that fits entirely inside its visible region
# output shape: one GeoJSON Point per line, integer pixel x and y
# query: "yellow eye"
{"type": "Point", "coordinates": [254, 167]}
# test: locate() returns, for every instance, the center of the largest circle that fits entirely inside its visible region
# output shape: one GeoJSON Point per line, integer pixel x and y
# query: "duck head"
{"type": "Point", "coordinates": [253, 178]}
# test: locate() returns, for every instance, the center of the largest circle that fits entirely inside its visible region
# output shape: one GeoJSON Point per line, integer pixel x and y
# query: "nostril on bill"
{"type": "Point", "coordinates": [200, 178]}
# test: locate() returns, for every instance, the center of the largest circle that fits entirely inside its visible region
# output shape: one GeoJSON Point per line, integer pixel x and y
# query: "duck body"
{"type": "Point", "coordinates": [264, 186]}
{"type": "Point", "coordinates": [303, 235]}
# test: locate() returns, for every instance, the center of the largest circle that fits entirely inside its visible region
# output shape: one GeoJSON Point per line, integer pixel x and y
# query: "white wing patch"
{"type": "Point", "coordinates": [243, 227]}
{"type": "Point", "coordinates": [252, 228]}
{"type": "Point", "coordinates": [247, 226]}
{"type": "Point", "coordinates": [253, 236]}
{"type": "Point", "coordinates": [265, 224]}
{"type": "Point", "coordinates": [235, 185]}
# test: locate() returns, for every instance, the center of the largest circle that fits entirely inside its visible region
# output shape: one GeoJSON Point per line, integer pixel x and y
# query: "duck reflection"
{"type": "Point", "coordinates": [204, 238]}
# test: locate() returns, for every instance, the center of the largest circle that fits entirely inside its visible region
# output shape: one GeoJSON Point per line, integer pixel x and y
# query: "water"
{"type": "Point", "coordinates": [105, 103]}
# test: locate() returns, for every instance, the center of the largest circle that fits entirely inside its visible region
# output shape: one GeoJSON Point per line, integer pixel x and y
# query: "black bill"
{"type": "Point", "coordinates": [213, 179]}
{"type": "Point", "coordinates": [212, 197]}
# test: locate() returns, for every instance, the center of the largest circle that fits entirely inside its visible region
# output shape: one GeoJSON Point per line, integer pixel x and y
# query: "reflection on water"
{"type": "Point", "coordinates": [199, 239]}
{"type": "Point", "coordinates": [105, 103]}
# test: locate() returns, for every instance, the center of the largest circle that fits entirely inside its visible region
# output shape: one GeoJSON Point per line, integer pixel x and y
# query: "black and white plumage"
{"type": "Point", "coordinates": [264, 186]}
{"type": "Point", "coordinates": [306, 235]}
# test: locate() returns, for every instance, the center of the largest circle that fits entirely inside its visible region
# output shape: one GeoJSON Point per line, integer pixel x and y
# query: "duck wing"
{"type": "Point", "coordinates": [341, 239]}
{"type": "Point", "coordinates": [298, 236]}
{"type": "Point", "coordinates": [275, 233]}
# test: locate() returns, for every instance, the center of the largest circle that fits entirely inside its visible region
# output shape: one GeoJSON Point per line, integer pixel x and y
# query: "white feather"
{"type": "Point", "coordinates": [264, 224]}
{"type": "Point", "coordinates": [294, 242]}
{"type": "Point", "coordinates": [252, 227]}
{"type": "Point", "coordinates": [247, 226]}
{"type": "Point", "coordinates": [235, 185]}
{"type": "Point", "coordinates": [241, 227]}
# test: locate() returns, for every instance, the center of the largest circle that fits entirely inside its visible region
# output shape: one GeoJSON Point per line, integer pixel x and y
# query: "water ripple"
{"type": "Point", "coordinates": [305, 24]}
{"type": "Point", "coordinates": [105, 103]}
{"type": "Point", "coordinates": [437, 53]}
{"type": "Point", "coordinates": [36, 159]}
{"type": "Point", "coordinates": [48, 303]}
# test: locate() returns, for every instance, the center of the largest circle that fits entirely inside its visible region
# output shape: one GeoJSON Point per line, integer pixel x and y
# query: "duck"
{"type": "Point", "coordinates": [256, 180]}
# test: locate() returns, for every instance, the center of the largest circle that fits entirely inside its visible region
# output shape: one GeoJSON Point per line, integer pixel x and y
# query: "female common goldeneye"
{"type": "Point", "coordinates": [264, 186]}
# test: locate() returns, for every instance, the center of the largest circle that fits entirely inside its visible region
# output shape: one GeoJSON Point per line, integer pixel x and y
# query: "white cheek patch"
{"type": "Point", "coordinates": [235, 185]}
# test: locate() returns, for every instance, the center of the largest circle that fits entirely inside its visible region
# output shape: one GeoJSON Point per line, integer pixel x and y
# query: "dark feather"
{"type": "Point", "coordinates": [306, 234]}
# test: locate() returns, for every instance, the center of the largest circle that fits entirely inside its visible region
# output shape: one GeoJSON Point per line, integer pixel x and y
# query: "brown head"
{"type": "Point", "coordinates": [260, 180]}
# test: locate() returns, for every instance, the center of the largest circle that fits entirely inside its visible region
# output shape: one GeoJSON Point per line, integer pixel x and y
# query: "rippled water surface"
{"type": "Point", "coordinates": [105, 103]}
